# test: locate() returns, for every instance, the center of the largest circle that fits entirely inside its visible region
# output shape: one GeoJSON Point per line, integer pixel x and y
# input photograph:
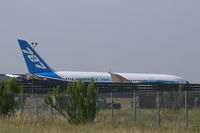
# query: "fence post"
{"type": "Point", "coordinates": [21, 106]}
{"type": "Point", "coordinates": [112, 105]}
{"type": "Point", "coordinates": [186, 111]}
{"type": "Point", "coordinates": [36, 104]}
{"type": "Point", "coordinates": [134, 107]}
{"type": "Point", "coordinates": [51, 111]}
{"type": "Point", "coordinates": [158, 106]}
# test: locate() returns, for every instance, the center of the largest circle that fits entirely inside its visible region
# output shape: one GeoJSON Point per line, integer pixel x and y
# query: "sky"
{"type": "Point", "coordinates": [136, 36]}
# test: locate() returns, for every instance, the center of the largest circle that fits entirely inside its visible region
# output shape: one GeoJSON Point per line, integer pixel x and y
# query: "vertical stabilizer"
{"type": "Point", "coordinates": [31, 57]}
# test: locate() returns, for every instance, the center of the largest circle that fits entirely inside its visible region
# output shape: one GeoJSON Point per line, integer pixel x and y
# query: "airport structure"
{"type": "Point", "coordinates": [45, 86]}
{"type": "Point", "coordinates": [4, 77]}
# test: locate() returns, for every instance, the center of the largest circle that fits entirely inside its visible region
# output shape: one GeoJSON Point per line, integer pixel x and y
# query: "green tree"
{"type": "Point", "coordinates": [77, 103]}
{"type": "Point", "coordinates": [8, 89]}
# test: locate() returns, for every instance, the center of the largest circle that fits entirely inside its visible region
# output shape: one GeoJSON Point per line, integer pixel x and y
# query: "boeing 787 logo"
{"type": "Point", "coordinates": [34, 58]}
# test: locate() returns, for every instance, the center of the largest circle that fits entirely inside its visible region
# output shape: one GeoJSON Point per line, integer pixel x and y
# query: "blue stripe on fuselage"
{"type": "Point", "coordinates": [50, 75]}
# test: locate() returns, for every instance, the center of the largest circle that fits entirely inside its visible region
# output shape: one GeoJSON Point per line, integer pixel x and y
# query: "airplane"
{"type": "Point", "coordinates": [40, 70]}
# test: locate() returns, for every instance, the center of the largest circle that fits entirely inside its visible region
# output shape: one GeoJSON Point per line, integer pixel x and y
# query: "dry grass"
{"type": "Point", "coordinates": [171, 121]}
{"type": "Point", "coordinates": [24, 124]}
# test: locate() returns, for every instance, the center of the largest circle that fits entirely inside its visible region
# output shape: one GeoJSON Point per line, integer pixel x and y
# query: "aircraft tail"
{"type": "Point", "coordinates": [40, 66]}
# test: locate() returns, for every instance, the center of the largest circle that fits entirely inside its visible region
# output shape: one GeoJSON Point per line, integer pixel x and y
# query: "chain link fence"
{"type": "Point", "coordinates": [177, 109]}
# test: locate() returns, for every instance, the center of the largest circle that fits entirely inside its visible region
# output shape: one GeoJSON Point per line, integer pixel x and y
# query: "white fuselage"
{"type": "Point", "coordinates": [131, 77]}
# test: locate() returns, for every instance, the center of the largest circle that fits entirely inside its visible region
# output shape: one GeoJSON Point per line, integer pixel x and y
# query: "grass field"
{"type": "Point", "coordinates": [172, 122]}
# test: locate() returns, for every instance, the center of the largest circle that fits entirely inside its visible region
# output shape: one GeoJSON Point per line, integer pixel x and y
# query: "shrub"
{"type": "Point", "coordinates": [7, 96]}
{"type": "Point", "coordinates": [77, 103]}
{"type": "Point", "coordinates": [180, 98]}
{"type": "Point", "coordinates": [167, 100]}
{"type": "Point", "coordinates": [173, 99]}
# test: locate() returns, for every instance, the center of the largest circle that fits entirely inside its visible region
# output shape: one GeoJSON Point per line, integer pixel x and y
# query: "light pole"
{"type": "Point", "coordinates": [34, 44]}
